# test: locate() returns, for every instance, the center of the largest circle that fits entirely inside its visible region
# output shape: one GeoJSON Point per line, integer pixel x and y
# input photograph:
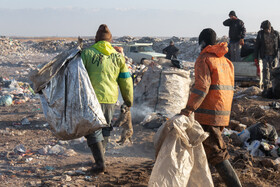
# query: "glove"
{"type": "Point", "coordinates": [186, 112]}
{"type": "Point", "coordinates": [256, 62]}
{"type": "Point", "coordinates": [258, 67]}
{"type": "Point", "coordinates": [241, 42]}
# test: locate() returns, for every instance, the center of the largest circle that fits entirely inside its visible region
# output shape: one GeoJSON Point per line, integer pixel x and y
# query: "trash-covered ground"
{"type": "Point", "coordinates": [31, 156]}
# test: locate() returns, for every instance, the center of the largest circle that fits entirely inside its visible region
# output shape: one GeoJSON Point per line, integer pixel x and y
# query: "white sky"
{"type": "Point", "coordinates": [182, 18]}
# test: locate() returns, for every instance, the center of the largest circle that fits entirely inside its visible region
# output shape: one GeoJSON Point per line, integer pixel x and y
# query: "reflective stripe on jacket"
{"type": "Point", "coordinates": [107, 70]}
{"type": "Point", "coordinates": [212, 94]}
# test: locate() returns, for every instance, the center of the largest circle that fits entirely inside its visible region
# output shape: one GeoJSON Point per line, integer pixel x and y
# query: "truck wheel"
{"type": "Point", "coordinates": [142, 60]}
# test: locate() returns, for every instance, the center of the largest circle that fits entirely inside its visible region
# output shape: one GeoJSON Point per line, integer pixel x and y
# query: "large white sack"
{"type": "Point", "coordinates": [163, 90]}
{"type": "Point", "coordinates": [180, 157]}
{"type": "Point", "coordinates": [68, 99]}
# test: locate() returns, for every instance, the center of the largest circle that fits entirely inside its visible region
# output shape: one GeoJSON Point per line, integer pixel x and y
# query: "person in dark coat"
{"type": "Point", "coordinates": [266, 48]}
{"type": "Point", "coordinates": [237, 33]}
{"type": "Point", "coordinates": [171, 51]}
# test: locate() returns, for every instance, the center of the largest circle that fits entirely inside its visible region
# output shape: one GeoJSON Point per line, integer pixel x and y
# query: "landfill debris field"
{"type": "Point", "coordinates": [30, 155]}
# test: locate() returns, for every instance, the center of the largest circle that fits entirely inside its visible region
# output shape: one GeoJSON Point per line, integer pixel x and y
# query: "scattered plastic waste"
{"type": "Point", "coordinates": [244, 135]}
{"type": "Point", "coordinates": [20, 149]}
{"type": "Point", "coordinates": [88, 178]}
{"type": "Point", "coordinates": [49, 168]}
{"type": "Point", "coordinates": [228, 132]}
{"type": "Point", "coordinates": [25, 121]}
{"type": "Point", "coordinates": [6, 100]}
{"type": "Point", "coordinates": [275, 105]}
{"type": "Point", "coordinates": [254, 148]}
{"type": "Point", "coordinates": [266, 146]}
{"type": "Point", "coordinates": [44, 150]}
{"type": "Point", "coordinates": [264, 107]}
{"type": "Point", "coordinates": [56, 150]}
{"type": "Point", "coordinates": [14, 92]}
{"type": "Point", "coordinates": [28, 159]}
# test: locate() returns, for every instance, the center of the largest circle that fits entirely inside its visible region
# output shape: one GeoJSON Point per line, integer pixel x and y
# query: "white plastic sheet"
{"type": "Point", "coordinates": [181, 159]}
{"type": "Point", "coordinates": [68, 99]}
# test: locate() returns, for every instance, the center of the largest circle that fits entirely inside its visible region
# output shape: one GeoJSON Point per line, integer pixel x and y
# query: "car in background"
{"type": "Point", "coordinates": [245, 71]}
{"type": "Point", "coordinates": [139, 52]}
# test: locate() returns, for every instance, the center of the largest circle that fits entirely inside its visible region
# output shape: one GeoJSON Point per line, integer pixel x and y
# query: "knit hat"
{"type": "Point", "coordinates": [232, 13]}
{"type": "Point", "coordinates": [103, 34]}
{"type": "Point", "coordinates": [265, 24]}
{"type": "Point", "coordinates": [207, 37]}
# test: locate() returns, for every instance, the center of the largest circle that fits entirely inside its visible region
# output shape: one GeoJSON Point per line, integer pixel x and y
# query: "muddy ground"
{"type": "Point", "coordinates": [127, 165]}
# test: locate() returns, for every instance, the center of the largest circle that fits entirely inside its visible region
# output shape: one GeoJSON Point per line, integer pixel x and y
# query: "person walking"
{"type": "Point", "coordinates": [107, 71]}
{"type": "Point", "coordinates": [211, 100]}
{"type": "Point", "coordinates": [267, 48]}
{"type": "Point", "coordinates": [171, 51]}
{"type": "Point", "coordinates": [237, 33]}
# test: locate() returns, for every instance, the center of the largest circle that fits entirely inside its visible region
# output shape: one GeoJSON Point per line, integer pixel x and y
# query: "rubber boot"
{"type": "Point", "coordinates": [105, 142]}
{"type": "Point", "coordinates": [228, 174]}
{"type": "Point", "coordinates": [98, 155]}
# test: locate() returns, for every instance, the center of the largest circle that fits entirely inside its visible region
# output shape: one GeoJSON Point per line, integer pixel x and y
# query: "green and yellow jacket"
{"type": "Point", "coordinates": [107, 70]}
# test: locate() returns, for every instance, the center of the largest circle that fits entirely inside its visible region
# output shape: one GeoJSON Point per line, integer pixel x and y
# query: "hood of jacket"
{"type": "Point", "coordinates": [219, 49]}
{"type": "Point", "coordinates": [104, 47]}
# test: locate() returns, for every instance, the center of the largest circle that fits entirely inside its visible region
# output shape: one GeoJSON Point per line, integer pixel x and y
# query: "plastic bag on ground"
{"type": "Point", "coordinates": [181, 159]}
{"type": "Point", "coordinates": [261, 131]}
{"type": "Point", "coordinates": [68, 99]}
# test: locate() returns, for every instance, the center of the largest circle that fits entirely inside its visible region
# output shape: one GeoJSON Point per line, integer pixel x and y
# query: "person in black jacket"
{"type": "Point", "coordinates": [266, 48]}
{"type": "Point", "coordinates": [171, 51]}
{"type": "Point", "coordinates": [237, 33]}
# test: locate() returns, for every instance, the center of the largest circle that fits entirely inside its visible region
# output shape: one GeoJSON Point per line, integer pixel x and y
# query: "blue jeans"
{"type": "Point", "coordinates": [97, 136]}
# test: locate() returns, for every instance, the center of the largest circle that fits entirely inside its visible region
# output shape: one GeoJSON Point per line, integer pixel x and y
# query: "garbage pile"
{"type": "Point", "coordinates": [9, 47]}
{"type": "Point", "coordinates": [14, 92]}
{"type": "Point", "coordinates": [53, 46]}
{"type": "Point", "coordinates": [260, 139]}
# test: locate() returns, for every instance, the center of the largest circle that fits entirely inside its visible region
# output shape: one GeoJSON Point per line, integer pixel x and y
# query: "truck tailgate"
{"type": "Point", "coordinates": [245, 69]}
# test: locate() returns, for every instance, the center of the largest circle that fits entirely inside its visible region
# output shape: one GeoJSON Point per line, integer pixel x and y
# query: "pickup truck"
{"type": "Point", "coordinates": [245, 73]}
{"type": "Point", "coordinates": [139, 52]}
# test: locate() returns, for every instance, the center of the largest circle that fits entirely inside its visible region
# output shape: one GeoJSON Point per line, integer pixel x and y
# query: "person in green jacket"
{"type": "Point", "coordinates": [107, 72]}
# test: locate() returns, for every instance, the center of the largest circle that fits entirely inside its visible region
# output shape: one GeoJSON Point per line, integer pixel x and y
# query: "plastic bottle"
{"type": "Point", "coordinates": [254, 147]}
{"type": "Point", "coordinates": [244, 135]}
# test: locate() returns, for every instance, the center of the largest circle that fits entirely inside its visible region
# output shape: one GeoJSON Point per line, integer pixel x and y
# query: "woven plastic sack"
{"type": "Point", "coordinates": [69, 102]}
{"type": "Point", "coordinates": [180, 157]}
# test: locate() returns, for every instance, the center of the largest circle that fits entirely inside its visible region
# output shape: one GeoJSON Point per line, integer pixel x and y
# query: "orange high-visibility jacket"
{"type": "Point", "coordinates": [212, 93]}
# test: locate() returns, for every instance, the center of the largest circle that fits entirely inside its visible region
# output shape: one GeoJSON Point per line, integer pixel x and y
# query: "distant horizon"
{"type": "Point", "coordinates": [112, 36]}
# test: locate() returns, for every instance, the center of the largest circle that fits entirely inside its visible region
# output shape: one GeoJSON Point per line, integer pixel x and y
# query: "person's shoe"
{"type": "Point", "coordinates": [228, 174]}
{"type": "Point", "coordinates": [98, 155]}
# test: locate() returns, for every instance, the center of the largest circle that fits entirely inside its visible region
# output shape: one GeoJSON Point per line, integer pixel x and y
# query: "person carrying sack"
{"type": "Point", "coordinates": [107, 72]}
